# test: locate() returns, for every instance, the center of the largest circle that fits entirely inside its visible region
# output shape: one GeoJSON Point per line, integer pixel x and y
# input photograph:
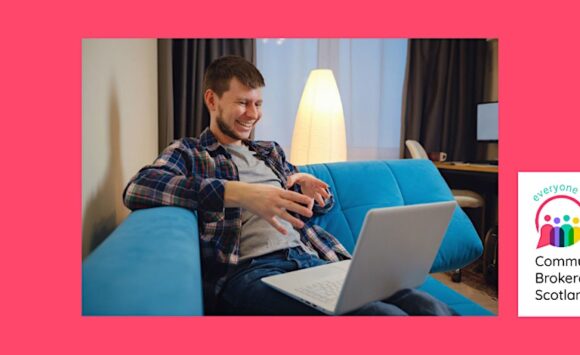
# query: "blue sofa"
{"type": "Point", "coordinates": [150, 265]}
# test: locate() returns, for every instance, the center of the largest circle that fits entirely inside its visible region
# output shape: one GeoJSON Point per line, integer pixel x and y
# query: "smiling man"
{"type": "Point", "coordinates": [253, 207]}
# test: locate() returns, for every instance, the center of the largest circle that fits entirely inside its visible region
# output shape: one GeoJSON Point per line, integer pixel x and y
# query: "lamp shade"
{"type": "Point", "coordinates": [319, 135]}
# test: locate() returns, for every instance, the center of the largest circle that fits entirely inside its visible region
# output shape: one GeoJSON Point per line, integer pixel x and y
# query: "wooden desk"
{"type": "Point", "coordinates": [476, 168]}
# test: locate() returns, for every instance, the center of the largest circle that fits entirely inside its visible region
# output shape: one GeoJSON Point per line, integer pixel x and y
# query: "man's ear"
{"type": "Point", "coordinates": [210, 100]}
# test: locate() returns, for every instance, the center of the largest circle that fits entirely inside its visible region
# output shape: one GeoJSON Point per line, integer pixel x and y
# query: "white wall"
{"type": "Point", "coordinates": [119, 93]}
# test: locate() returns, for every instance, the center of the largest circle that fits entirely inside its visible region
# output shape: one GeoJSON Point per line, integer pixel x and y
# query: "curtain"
{"type": "Point", "coordinates": [182, 63]}
{"type": "Point", "coordinates": [444, 84]}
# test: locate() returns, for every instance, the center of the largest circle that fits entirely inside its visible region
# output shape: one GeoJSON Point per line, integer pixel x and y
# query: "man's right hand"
{"type": "Point", "coordinates": [268, 202]}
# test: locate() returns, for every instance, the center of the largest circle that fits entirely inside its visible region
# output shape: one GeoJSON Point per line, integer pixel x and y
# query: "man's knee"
{"type": "Point", "coordinates": [379, 309]}
{"type": "Point", "coordinates": [416, 302]}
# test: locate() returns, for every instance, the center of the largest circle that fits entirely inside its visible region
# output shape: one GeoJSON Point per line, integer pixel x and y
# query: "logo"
{"type": "Point", "coordinates": [548, 231]}
{"type": "Point", "coordinates": [560, 222]}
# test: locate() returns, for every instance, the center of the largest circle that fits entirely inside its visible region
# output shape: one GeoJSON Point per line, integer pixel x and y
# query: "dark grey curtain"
{"type": "Point", "coordinates": [444, 84]}
{"type": "Point", "coordinates": [182, 63]}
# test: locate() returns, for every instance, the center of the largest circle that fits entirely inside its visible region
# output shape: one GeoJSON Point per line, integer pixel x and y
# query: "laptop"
{"type": "Point", "coordinates": [395, 250]}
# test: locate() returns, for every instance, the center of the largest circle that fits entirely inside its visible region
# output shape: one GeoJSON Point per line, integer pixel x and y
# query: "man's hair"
{"type": "Point", "coordinates": [219, 73]}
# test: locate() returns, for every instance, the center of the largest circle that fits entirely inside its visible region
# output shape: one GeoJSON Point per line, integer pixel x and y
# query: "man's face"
{"type": "Point", "coordinates": [236, 113]}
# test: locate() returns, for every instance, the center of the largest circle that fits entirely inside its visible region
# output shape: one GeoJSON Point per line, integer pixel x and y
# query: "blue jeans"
{"type": "Point", "coordinates": [245, 294]}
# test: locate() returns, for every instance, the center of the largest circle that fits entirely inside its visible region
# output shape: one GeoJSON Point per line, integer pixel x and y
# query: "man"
{"type": "Point", "coordinates": [253, 207]}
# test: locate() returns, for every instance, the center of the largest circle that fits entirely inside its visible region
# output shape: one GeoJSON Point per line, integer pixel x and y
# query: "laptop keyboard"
{"type": "Point", "coordinates": [322, 291]}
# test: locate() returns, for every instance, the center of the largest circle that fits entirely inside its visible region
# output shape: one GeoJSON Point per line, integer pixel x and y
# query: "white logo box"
{"type": "Point", "coordinates": [548, 276]}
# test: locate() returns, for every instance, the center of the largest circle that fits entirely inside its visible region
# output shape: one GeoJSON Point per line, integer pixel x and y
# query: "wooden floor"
{"type": "Point", "coordinates": [487, 300]}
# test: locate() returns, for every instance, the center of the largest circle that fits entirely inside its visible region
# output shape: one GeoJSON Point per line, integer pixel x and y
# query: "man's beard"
{"type": "Point", "coordinates": [225, 129]}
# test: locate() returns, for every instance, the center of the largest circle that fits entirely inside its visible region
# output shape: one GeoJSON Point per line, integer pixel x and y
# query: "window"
{"type": "Point", "coordinates": [369, 72]}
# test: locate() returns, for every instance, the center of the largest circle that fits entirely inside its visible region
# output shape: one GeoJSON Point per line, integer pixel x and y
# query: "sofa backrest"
{"type": "Point", "coordinates": [360, 186]}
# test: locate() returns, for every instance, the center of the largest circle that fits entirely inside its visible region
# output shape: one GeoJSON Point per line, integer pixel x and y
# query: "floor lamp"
{"type": "Point", "coordinates": [319, 134]}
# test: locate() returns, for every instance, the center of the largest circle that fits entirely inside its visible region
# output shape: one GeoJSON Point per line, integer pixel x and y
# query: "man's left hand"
{"type": "Point", "coordinates": [310, 186]}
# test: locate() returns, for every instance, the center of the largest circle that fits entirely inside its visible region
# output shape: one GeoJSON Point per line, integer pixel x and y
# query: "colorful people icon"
{"type": "Point", "coordinates": [558, 227]}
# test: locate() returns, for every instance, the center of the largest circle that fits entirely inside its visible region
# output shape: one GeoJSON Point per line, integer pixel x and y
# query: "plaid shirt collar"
{"type": "Point", "coordinates": [208, 140]}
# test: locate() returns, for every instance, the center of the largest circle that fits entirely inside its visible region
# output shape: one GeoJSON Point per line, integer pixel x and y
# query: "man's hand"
{"type": "Point", "coordinates": [268, 202]}
{"type": "Point", "coordinates": [310, 186]}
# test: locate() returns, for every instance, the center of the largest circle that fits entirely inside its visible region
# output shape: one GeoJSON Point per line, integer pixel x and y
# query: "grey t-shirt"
{"type": "Point", "coordinates": [258, 236]}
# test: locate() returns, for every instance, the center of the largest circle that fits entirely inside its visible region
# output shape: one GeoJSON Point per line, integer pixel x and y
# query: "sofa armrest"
{"type": "Point", "coordinates": [150, 265]}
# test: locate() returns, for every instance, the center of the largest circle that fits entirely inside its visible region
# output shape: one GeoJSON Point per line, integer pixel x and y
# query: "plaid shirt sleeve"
{"type": "Point", "coordinates": [290, 169]}
{"type": "Point", "coordinates": [170, 181]}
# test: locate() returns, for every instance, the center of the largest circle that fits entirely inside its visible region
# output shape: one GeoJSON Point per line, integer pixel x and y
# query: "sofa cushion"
{"type": "Point", "coordinates": [360, 186]}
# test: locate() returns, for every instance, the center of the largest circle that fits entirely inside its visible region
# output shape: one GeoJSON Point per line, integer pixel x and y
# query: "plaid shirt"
{"type": "Point", "coordinates": [192, 173]}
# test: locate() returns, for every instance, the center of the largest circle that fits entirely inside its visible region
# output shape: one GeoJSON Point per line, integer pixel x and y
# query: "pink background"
{"type": "Point", "coordinates": [40, 75]}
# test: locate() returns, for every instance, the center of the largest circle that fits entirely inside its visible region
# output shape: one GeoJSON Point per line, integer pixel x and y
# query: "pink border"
{"type": "Point", "coordinates": [41, 179]}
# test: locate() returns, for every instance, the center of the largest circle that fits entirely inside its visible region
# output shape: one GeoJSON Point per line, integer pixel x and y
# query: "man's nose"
{"type": "Point", "coordinates": [252, 111]}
